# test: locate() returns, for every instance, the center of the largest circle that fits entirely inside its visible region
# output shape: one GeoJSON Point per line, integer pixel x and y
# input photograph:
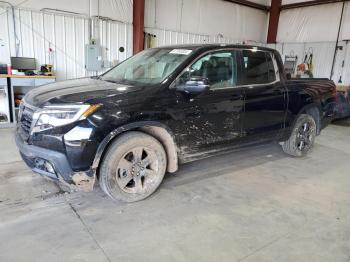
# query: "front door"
{"type": "Point", "coordinates": [211, 120]}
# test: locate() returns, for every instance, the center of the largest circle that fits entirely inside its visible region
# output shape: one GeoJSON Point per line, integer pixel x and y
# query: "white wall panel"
{"type": "Point", "coordinates": [345, 71]}
{"type": "Point", "coordinates": [5, 44]}
{"type": "Point", "coordinates": [231, 20]}
{"type": "Point", "coordinates": [310, 24]}
{"type": "Point", "coordinates": [345, 31]}
{"type": "Point", "coordinates": [26, 33]}
{"type": "Point", "coordinates": [70, 39]}
{"type": "Point", "coordinates": [207, 17]}
{"type": "Point", "coordinates": [114, 35]}
{"type": "Point", "coordinates": [60, 47]}
{"type": "Point", "coordinates": [120, 10]}
{"type": "Point", "coordinates": [49, 37]}
{"type": "Point", "coordinates": [323, 57]}
{"type": "Point", "coordinates": [167, 37]}
{"type": "Point", "coordinates": [38, 36]}
{"type": "Point", "coordinates": [316, 23]}
{"type": "Point", "coordinates": [81, 27]}
{"type": "Point", "coordinates": [77, 6]}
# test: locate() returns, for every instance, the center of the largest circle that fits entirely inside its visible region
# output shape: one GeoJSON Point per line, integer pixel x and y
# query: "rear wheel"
{"type": "Point", "coordinates": [302, 138]}
{"type": "Point", "coordinates": [133, 167]}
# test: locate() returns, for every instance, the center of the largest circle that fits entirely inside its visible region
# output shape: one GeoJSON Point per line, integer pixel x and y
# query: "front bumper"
{"type": "Point", "coordinates": [32, 154]}
{"type": "Point", "coordinates": [35, 157]}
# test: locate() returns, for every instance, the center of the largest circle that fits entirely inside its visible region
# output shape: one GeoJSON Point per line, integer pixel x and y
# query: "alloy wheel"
{"type": "Point", "coordinates": [305, 135]}
{"type": "Point", "coordinates": [137, 170]}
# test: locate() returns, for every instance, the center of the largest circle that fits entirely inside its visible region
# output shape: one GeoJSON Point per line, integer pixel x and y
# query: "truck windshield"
{"type": "Point", "coordinates": [149, 67]}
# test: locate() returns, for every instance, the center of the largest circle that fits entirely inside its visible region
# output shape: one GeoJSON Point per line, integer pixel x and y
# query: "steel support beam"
{"type": "Point", "coordinates": [138, 25]}
{"type": "Point", "coordinates": [273, 21]}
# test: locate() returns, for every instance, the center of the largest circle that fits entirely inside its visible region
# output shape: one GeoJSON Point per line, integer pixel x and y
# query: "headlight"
{"type": "Point", "coordinates": [59, 115]}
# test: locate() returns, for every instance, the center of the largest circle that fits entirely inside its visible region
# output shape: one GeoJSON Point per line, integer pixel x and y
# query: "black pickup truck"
{"type": "Point", "coordinates": [163, 107]}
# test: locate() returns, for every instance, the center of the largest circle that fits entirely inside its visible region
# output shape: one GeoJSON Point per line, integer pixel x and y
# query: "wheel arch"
{"type": "Point", "coordinates": [155, 129]}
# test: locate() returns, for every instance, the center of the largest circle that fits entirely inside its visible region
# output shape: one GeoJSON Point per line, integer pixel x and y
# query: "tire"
{"type": "Point", "coordinates": [133, 167]}
{"type": "Point", "coordinates": [302, 138]}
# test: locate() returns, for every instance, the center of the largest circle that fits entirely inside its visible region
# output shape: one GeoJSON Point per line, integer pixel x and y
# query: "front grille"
{"type": "Point", "coordinates": [26, 119]}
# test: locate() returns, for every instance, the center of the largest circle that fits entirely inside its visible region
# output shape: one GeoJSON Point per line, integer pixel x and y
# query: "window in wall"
{"type": "Point", "coordinates": [258, 68]}
{"type": "Point", "coordinates": [220, 68]}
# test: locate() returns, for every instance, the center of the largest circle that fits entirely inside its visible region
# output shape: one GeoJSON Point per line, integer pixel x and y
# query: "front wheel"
{"type": "Point", "coordinates": [133, 167]}
{"type": "Point", "coordinates": [302, 138]}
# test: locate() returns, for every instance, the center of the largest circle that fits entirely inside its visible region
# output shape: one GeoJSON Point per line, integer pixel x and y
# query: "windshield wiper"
{"type": "Point", "coordinates": [109, 80]}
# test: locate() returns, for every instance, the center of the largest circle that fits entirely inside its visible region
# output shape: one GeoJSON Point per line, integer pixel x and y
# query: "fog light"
{"type": "Point", "coordinates": [44, 165]}
{"type": "Point", "coordinates": [49, 168]}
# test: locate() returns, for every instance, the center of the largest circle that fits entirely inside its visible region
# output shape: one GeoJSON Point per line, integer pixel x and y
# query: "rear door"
{"type": "Point", "coordinates": [265, 96]}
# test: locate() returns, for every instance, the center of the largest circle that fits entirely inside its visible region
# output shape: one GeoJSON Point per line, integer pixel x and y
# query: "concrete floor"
{"type": "Point", "coordinates": [253, 205]}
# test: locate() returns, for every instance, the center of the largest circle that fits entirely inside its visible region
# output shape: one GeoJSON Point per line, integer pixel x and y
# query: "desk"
{"type": "Point", "coordinates": [15, 86]}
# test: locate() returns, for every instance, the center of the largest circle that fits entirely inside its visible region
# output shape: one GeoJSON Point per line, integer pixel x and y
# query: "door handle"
{"type": "Point", "coordinates": [237, 97]}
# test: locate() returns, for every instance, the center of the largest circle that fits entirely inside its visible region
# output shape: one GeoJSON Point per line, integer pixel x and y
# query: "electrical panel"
{"type": "Point", "coordinates": [93, 58]}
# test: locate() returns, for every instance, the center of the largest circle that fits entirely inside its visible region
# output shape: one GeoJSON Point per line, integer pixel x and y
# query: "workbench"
{"type": "Point", "coordinates": [10, 87]}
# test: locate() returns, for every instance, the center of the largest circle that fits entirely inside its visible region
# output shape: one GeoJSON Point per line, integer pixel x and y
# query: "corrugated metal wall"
{"type": "Point", "coordinates": [5, 45]}
{"type": "Point", "coordinates": [67, 35]}
{"type": "Point", "coordinates": [114, 35]}
{"type": "Point", "coordinates": [168, 37]}
{"type": "Point", "coordinates": [207, 17]}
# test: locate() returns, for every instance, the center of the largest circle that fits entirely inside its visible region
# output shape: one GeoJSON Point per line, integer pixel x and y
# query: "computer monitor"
{"type": "Point", "coordinates": [23, 63]}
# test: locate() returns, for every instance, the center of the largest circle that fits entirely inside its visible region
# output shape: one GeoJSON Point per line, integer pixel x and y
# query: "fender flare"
{"type": "Point", "coordinates": [144, 126]}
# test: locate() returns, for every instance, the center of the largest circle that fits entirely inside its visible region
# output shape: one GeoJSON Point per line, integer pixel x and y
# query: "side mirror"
{"type": "Point", "coordinates": [196, 85]}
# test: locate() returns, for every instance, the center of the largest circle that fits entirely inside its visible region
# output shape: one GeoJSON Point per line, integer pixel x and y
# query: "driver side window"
{"type": "Point", "coordinates": [219, 68]}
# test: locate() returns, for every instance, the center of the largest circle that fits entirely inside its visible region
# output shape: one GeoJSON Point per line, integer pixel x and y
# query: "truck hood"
{"type": "Point", "coordinates": [83, 90]}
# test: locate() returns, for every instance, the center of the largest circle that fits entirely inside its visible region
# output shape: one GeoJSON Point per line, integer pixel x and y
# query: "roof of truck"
{"type": "Point", "coordinates": [198, 47]}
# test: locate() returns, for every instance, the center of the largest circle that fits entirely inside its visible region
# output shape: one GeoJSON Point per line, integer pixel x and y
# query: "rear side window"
{"type": "Point", "coordinates": [258, 68]}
